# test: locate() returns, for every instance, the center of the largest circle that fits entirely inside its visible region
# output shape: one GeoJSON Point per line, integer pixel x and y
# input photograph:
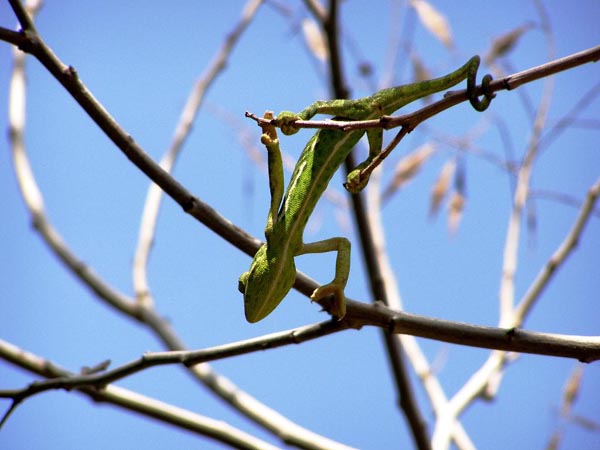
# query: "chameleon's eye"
{"type": "Point", "coordinates": [242, 282]}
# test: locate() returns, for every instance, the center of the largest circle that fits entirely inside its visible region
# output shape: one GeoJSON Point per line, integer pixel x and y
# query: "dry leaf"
{"type": "Point", "coordinates": [531, 219]}
{"type": "Point", "coordinates": [505, 43]}
{"type": "Point", "coordinates": [314, 39]}
{"type": "Point", "coordinates": [555, 441]}
{"type": "Point", "coordinates": [408, 167]}
{"type": "Point", "coordinates": [420, 72]}
{"type": "Point", "coordinates": [586, 423]}
{"type": "Point", "coordinates": [365, 69]}
{"type": "Point", "coordinates": [457, 204]}
{"type": "Point", "coordinates": [571, 389]}
{"type": "Point", "coordinates": [434, 21]}
{"type": "Point", "coordinates": [441, 185]}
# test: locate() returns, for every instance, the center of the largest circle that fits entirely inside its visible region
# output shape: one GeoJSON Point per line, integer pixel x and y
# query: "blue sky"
{"type": "Point", "coordinates": [140, 60]}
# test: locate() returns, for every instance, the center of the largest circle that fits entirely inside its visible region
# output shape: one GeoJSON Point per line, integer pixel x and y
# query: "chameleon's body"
{"type": "Point", "coordinates": [273, 271]}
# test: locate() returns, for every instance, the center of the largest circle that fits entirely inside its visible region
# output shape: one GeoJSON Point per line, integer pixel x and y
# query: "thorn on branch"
{"type": "Point", "coordinates": [100, 367]}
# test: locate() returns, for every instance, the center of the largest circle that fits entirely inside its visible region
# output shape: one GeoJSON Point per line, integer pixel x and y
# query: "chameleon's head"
{"type": "Point", "coordinates": [266, 283]}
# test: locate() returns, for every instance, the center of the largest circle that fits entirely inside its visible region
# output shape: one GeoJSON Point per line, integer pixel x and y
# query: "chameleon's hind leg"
{"type": "Point", "coordinates": [342, 269]}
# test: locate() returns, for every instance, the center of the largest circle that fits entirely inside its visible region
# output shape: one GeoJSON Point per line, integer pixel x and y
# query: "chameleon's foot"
{"type": "Point", "coordinates": [285, 120]}
{"type": "Point", "coordinates": [356, 181]}
{"type": "Point", "coordinates": [338, 306]}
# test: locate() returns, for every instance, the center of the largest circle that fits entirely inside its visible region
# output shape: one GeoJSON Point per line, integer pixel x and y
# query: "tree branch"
{"type": "Point", "coordinates": [559, 256]}
{"type": "Point", "coordinates": [221, 386]}
{"type": "Point", "coordinates": [451, 98]}
{"type": "Point", "coordinates": [132, 401]}
{"type": "Point", "coordinates": [406, 397]}
{"type": "Point", "coordinates": [99, 378]}
{"type": "Point", "coordinates": [586, 349]}
{"type": "Point", "coordinates": [359, 314]}
{"type": "Point", "coordinates": [182, 131]}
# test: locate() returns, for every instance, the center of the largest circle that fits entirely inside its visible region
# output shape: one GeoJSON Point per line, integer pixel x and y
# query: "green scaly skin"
{"type": "Point", "coordinates": [272, 272]}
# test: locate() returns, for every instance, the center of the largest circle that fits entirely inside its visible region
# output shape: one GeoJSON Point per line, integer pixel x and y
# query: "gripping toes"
{"type": "Point", "coordinates": [285, 120]}
{"type": "Point", "coordinates": [338, 306]}
{"type": "Point", "coordinates": [356, 181]}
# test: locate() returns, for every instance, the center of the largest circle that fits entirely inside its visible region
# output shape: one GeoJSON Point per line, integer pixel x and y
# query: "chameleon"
{"type": "Point", "coordinates": [273, 271]}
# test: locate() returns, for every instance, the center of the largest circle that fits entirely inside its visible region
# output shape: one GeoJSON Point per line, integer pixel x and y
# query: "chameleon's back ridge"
{"type": "Point", "coordinates": [272, 272]}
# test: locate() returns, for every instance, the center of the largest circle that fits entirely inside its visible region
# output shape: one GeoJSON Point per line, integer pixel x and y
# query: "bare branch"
{"type": "Point", "coordinates": [563, 198]}
{"type": "Point", "coordinates": [399, 370]}
{"type": "Point", "coordinates": [452, 98]}
{"type": "Point", "coordinates": [559, 256]}
{"type": "Point", "coordinates": [182, 130]}
{"type": "Point", "coordinates": [551, 68]}
{"type": "Point", "coordinates": [34, 200]}
{"type": "Point", "coordinates": [488, 376]}
{"type": "Point", "coordinates": [509, 263]}
{"type": "Point", "coordinates": [24, 16]}
{"type": "Point", "coordinates": [132, 401]}
{"type": "Point", "coordinates": [582, 348]}
{"type": "Point", "coordinates": [585, 349]}
{"type": "Point", "coordinates": [316, 9]}
{"type": "Point", "coordinates": [220, 385]}
{"type": "Point", "coordinates": [99, 378]}
{"type": "Point", "coordinates": [410, 346]}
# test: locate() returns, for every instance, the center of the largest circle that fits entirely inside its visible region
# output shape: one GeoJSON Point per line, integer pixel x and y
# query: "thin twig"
{"type": "Point", "coordinates": [130, 400]}
{"type": "Point", "coordinates": [559, 256]}
{"type": "Point", "coordinates": [34, 200]}
{"type": "Point", "coordinates": [452, 98]}
{"type": "Point", "coordinates": [20, 38]}
{"type": "Point", "coordinates": [410, 346]}
{"type": "Point", "coordinates": [316, 10]}
{"type": "Point", "coordinates": [562, 198]}
{"type": "Point", "coordinates": [583, 348]}
{"type": "Point", "coordinates": [587, 349]}
{"type": "Point", "coordinates": [100, 378]}
{"type": "Point", "coordinates": [358, 313]}
{"type": "Point", "coordinates": [182, 130]}
{"type": "Point", "coordinates": [404, 390]}
{"type": "Point", "coordinates": [521, 194]}
{"type": "Point", "coordinates": [24, 14]}
{"type": "Point", "coordinates": [221, 386]}
{"type": "Point", "coordinates": [571, 116]}
{"type": "Point", "coordinates": [486, 380]}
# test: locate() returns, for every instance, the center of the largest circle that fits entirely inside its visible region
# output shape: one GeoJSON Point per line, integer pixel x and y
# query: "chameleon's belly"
{"type": "Point", "coordinates": [317, 164]}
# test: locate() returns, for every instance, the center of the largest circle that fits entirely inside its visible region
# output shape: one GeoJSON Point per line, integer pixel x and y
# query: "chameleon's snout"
{"type": "Point", "coordinates": [266, 283]}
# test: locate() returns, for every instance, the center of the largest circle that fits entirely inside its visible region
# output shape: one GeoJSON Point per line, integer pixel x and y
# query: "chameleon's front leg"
{"type": "Point", "coordinates": [356, 179]}
{"type": "Point", "coordinates": [271, 274]}
{"type": "Point", "coordinates": [342, 269]}
{"type": "Point", "coordinates": [275, 166]}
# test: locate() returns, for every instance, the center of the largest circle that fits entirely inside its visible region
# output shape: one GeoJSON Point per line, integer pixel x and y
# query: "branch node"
{"type": "Point", "coordinates": [511, 333]}
{"type": "Point", "coordinates": [189, 204]}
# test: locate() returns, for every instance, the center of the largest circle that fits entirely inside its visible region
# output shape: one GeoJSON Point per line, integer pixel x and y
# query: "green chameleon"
{"type": "Point", "coordinates": [273, 271]}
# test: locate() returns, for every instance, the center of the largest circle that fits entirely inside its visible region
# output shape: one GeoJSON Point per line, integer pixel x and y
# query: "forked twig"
{"type": "Point", "coordinates": [29, 41]}
{"type": "Point", "coordinates": [410, 121]}
{"type": "Point", "coordinates": [154, 195]}
{"type": "Point", "coordinates": [132, 401]}
{"type": "Point", "coordinates": [559, 256]}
